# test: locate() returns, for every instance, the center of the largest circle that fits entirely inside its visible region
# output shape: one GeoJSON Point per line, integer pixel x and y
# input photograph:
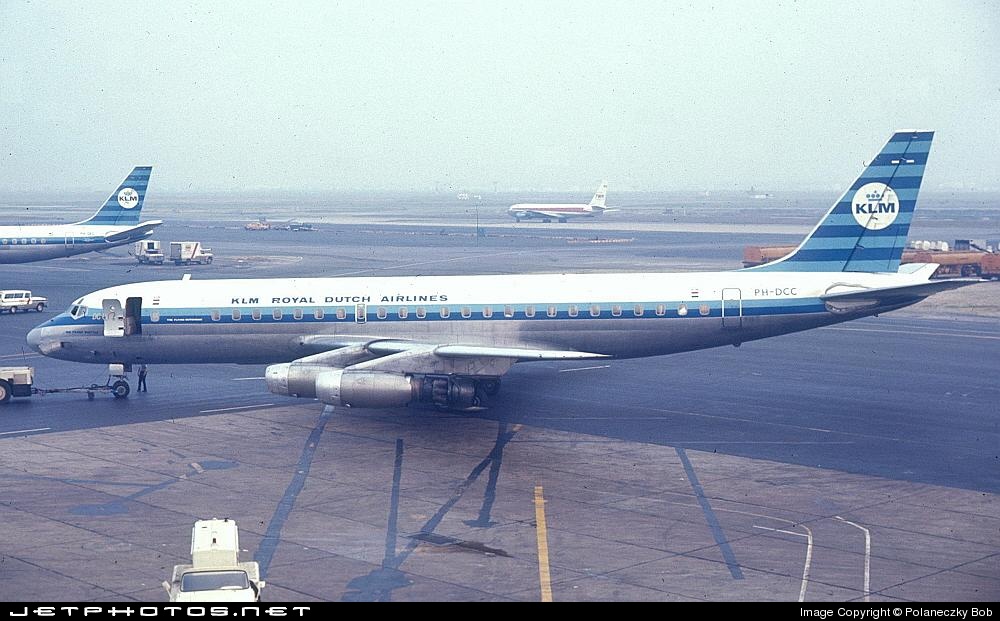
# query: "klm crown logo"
{"type": "Point", "coordinates": [875, 206]}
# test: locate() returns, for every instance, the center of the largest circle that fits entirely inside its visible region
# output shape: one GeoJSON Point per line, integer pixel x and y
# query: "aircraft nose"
{"type": "Point", "coordinates": [35, 339]}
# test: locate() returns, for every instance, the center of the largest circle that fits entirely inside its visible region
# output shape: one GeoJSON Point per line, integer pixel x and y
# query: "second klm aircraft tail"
{"type": "Point", "coordinates": [125, 204]}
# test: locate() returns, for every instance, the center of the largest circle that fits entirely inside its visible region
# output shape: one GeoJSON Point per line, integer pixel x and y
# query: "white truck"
{"type": "Point", "coordinates": [185, 252]}
{"type": "Point", "coordinates": [215, 573]}
{"type": "Point", "coordinates": [149, 251]}
{"type": "Point", "coordinates": [15, 382]}
{"type": "Point", "coordinates": [14, 300]}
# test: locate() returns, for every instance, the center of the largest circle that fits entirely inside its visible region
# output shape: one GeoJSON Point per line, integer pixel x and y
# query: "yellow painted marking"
{"type": "Point", "coordinates": [544, 579]}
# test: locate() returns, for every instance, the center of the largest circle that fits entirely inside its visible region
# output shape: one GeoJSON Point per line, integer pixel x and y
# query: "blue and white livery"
{"type": "Point", "coordinates": [116, 223]}
{"type": "Point", "coordinates": [447, 340]}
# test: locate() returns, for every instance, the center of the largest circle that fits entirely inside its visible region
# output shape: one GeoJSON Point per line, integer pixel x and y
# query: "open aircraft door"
{"type": "Point", "coordinates": [114, 318]}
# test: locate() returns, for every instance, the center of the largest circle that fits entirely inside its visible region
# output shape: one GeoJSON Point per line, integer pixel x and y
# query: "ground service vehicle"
{"type": "Point", "coordinates": [185, 252]}
{"type": "Point", "coordinates": [149, 251]}
{"type": "Point", "coordinates": [215, 573]}
{"type": "Point", "coordinates": [14, 300]}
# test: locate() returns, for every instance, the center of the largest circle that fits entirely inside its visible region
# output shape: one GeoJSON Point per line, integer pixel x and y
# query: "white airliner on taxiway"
{"type": "Point", "coordinates": [548, 212]}
{"type": "Point", "coordinates": [446, 340]}
{"type": "Point", "coordinates": [116, 223]}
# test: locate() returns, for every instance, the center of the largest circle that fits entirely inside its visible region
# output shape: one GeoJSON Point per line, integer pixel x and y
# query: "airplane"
{"type": "Point", "coordinates": [446, 340]}
{"type": "Point", "coordinates": [562, 211]}
{"type": "Point", "coordinates": [116, 223]}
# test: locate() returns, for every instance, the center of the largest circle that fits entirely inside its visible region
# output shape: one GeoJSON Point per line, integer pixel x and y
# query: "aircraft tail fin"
{"type": "Point", "coordinates": [865, 231]}
{"type": "Point", "coordinates": [600, 197]}
{"type": "Point", "coordinates": [125, 204]}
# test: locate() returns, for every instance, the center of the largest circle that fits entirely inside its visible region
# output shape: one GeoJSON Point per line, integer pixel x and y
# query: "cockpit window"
{"type": "Point", "coordinates": [76, 311]}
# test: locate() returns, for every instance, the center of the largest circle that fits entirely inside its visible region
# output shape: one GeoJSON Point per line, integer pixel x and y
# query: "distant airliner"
{"type": "Point", "coordinates": [446, 340]}
{"type": "Point", "coordinates": [562, 211]}
{"type": "Point", "coordinates": [114, 224]}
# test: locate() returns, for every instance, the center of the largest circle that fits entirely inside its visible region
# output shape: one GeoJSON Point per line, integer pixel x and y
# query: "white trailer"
{"type": "Point", "coordinates": [185, 252]}
{"type": "Point", "coordinates": [215, 573]}
{"type": "Point", "coordinates": [149, 251]}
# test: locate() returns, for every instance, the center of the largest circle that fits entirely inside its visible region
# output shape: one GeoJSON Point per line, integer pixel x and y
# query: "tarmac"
{"type": "Point", "coordinates": [859, 462]}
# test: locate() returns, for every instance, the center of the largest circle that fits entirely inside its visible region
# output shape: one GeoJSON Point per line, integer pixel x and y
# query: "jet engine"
{"type": "Point", "coordinates": [370, 389]}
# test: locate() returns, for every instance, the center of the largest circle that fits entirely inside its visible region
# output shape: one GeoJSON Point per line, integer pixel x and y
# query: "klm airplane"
{"type": "Point", "coordinates": [114, 224]}
{"type": "Point", "coordinates": [447, 340]}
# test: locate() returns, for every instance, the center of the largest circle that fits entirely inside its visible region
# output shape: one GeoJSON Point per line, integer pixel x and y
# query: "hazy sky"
{"type": "Point", "coordinates": [403, 95]}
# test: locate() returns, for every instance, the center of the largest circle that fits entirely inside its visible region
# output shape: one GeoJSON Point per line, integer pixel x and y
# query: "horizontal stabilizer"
{"type": "Point", "coordinates": [134, 233]}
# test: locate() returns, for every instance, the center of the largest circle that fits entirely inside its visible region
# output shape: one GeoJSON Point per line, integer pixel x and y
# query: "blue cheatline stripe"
{"type": "Point", "coordinates": [713, 522]}
{"type": "Point", "coordinates": [268, 545]}
{"type": "Point", "coordinates": [194, 316]}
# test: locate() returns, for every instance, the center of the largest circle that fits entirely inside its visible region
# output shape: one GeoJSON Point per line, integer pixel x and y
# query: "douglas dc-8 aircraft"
{"type": "Point", "coordinates": [562, 211]}
{"type": "Point", "coordinates": [116, 223]}
{"type": "Point", "coordinates": [446, 340]}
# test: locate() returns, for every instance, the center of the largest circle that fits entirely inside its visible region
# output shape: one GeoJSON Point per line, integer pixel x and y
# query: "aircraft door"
{"type": "Point", "coordinates": [69, 241]}
{"type": "Point", "coordinates": [114, 318]}
{"type": "Point", "coordinates": [732, 308]}
{"type": "Point", "coordinates": [133, 316]}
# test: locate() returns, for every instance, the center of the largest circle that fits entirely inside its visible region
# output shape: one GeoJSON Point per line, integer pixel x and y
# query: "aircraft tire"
{"type": "Point", "coordinates": [5, 390]}
{"type": "Point", "coordinates": [120, 389]}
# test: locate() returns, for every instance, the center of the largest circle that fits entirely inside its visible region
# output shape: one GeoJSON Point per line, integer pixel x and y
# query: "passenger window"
{"type": "Point", "coordinates": [444, 312]}
{"type": "Point", "coordinates": [487, 312]}
{"type": "Point", "coordinates": [682, 310]}
{"type": "Point", "coordinates": [276, 314]}
{"type": "Point", "coordinates": [573, 311]}
{"type": "Point", "coordinates": [256, 314]}
{"type": "Point", "coordinates": [508, 311]}
{"type": "Point", "coordinates": [595, 310]}
{"type": "Point", "coordinates": [403, 312]}
{"type": "Point", "coordinates": [421, 312]}
{"type": "Point", "coordinates": [154, 316]}
{"type": "Point", "coordinates": [529, 311]}
{"type": "Point", "coordinates": [237, 314]}
{"type": "Point", "coordinates": [216, 315]}
{"type": "Point", "coordinates": [616, 310]}
{"type": "Point", "coordinates": [704, 309]}
{"type": "Point", "coordinates": [381, 313]}
{"type": "Point", "coordinates": [297, 313]}
{"type": "Point", "coordinates": [551, 311]}
{"type": "Point", "coordinates": [318, 313]}
{"type": "Point", "coordinates": [466, 312]}
{"type": "Point", "coordinates": [661, 309]}
{"type": "Point", "coordinates": [341, 313]}
{"type": "Point", "coordinates": [637, 310]}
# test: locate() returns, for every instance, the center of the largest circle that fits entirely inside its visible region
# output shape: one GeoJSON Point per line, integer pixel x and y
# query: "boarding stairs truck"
{"type": "Point", "coordinates": [186, 252]}
{"type": "Point", "coordinates": [149, 251]}
{"type": "Point", "coordinates": [215, 573]}
{"type": "Point", "coordinates": [14, 300]}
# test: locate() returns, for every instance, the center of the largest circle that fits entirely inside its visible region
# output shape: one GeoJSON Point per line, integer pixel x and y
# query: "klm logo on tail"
{"type": "Point", "coordinates": [865, 231]}
{"type": "Point", "coordinates": [875, 206]}
{"type": "Point", "coordinates": [128, 198]}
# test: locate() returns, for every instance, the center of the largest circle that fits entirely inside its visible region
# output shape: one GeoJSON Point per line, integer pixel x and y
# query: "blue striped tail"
{"type": "Point", "coordinates": [125, 204]}
{"type": "Point", "coordinates": [865, 231]}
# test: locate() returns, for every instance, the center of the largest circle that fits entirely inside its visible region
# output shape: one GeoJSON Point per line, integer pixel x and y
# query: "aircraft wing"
{"type": "Point", "coordinates": [135, 233]}
{"type": "Point", "coordinates": [352, 350]}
